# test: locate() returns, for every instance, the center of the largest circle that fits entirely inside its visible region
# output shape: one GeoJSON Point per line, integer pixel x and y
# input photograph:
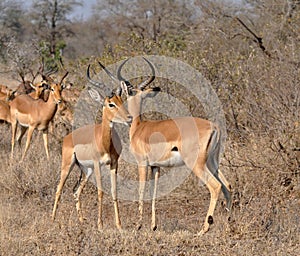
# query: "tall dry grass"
{"type": "Point", "coordinates": [264, 220]}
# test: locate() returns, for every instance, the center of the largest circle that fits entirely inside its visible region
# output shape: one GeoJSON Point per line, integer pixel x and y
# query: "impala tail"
{"type": "Point", "coordinates": [213, 161]}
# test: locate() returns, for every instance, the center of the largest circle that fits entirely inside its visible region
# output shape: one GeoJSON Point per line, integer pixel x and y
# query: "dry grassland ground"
{"type": "Point", "coordinates": [264, 221]}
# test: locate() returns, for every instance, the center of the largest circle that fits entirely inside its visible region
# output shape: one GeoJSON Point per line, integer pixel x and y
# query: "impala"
{"type": "Point", "coordinates": [4, 111]}
{"type": "Point", "coordinates": [5, 93]}
{"type": "Point", "coordinates": [188, 141]}
{"type": "Point", "coordinates": [35, 114]}
{"type": "Point", "coordinates": [91, 147]}
{"type": "Point", "coordinates": [5, 108]}
{"type": "Point", "coordinates": [25, 87]}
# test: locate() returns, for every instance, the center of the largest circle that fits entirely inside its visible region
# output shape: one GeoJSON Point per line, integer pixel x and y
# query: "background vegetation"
{"type": "Point", "coordinates": [249, 50]}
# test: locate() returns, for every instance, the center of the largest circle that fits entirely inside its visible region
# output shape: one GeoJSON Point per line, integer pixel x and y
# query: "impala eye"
{"type": "Point", "coordinates": [111, 105]}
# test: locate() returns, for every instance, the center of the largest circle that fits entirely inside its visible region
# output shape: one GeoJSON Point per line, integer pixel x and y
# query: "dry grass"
{"type": "Point", "coordinates": [264, 221]}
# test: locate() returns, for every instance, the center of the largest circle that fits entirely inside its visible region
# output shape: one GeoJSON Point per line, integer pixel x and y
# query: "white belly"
{"type": "Point", "coordinates": [24, 125]}
{"type": "Point", "coordinates": [87, 163]}
{"type": "Point", "coordinates": [174, 160]}
{"type": "Point", "coordinates": [85, 155]}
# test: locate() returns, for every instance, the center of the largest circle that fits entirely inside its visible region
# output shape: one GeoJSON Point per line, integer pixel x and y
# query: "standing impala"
{"type": "Point", "coordinates": [188, 141]}
{"type": "Point", "coordinates": [4, 103]}
{"type": "Point", "coordinates": [5, 92]}
{"type": "Point", "coordinates": [32, 113]}
{"type": "Point", "coordinates": [93, 146]}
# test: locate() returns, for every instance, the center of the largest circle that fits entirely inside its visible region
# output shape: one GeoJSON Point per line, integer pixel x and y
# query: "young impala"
{"type": "Point", "coordinates": [35, 113]}
{"type": "Point", "coordinates": [188, 141]}
{"type": "Point", "coordinates": [92, 146]}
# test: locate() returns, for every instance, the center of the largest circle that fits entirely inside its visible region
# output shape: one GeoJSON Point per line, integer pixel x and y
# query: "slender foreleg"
{"type": "Point", "coordinates": [65, 171]}
{"type": "Point", "coordinates": [21, 134]}
{"type": "Point", "coordinates": [79, 190]}
{"type": "Point", "coordinates": [13, 135]}
{"type": "Point", "coordinates": [142, 183]}
{"type": "Point", "coordinates": [100, 193]}
{"type": "Point", "coordinates": [113, 176]}
{"type": "Point", "coordinates": [29, 135]}
{"type": "Point", "coordinates": [45, 138]}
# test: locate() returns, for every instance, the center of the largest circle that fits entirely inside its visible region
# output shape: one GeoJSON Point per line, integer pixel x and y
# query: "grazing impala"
{"type": "Point", "coordinates": [91, 147]}
{"type": "Point", "coordinates": [188, 141]}
{"type": "Point", "coordinates": [35, 113]}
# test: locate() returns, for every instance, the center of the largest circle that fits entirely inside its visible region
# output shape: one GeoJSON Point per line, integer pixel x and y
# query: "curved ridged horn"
{"type": "Point", "coordinates": [119, 89]}
{"type": "Point", "coordinates": [142, 85]}
{"type": "Point", "coordinates": [65, 75]}
{"type": "Point", "coordinates": [119, 71]}
{"type": "Point", "coordinates": [107, 72]}
{"type": "Point", "coordinates": [95, 83]}
{"type": "Point", "coordinates": [32, 86]}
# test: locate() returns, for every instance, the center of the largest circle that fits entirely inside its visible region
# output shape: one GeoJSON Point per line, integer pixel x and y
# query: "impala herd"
{"type": "Point", "coordinates": [192, 142]}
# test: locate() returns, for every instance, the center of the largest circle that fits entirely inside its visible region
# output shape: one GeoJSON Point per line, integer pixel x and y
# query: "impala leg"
{"type": "Point", "coordinates": [13, 135]}
{"type": "Point", "coordinates": [100, 193]}
{"type": "Point", "coordinates": [214, 187]}
{"type": "Point", "coordinates": [21, 134]}
{"type": "Point", "coordinates": [224, 180]}
{"type": "Point", "coordinates": [113, 177]}
{"type": "Point", "coordinates": [78, 193]}
{"type": "Point", "coordinates": [155, 172]}
{"type": "Point", "coordinates": [226, 189]}
{"type": "Point", "coordinates": [29, 135]}
{"type": "Point", "coordinates": [45, 138]}
{"type": "Point", "coordinates": [65, 171]}
{"type": "Point", "coordinates": [142, 183]}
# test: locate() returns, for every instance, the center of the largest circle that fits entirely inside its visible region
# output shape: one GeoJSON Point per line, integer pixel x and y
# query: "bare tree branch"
{"type": "Point", "coordinates": [258, 40]}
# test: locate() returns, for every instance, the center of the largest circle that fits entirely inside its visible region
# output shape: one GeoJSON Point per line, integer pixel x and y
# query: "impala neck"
{"type": "Point", "coordinates": [50, 106]}
{"type": "Point", "coordinates": [106, 132]}
{"type": "Point", "coordinates": [134, 109]}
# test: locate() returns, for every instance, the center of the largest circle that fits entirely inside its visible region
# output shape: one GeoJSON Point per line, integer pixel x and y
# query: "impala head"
{"type": "Point", "coordinates": [5, 92]}
{"type": "Point", "coordinates": [114, 110]}
{"type": "Point", "coordinates": [113, 107]}
{"type": "Point", "coordinates": [40, 88]}
{"type": "Point", "coordinates": [136, 95]}
{"type": "Point", "coordinates": [56, 88]}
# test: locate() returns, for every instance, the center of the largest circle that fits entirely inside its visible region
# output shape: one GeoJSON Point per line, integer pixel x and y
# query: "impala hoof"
{"type": "Point", "coordinates": [210, 220]}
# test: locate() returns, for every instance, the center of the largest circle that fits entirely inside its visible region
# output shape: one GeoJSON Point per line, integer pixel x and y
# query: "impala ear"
{"type": "Point", "coordinates": [124, 88]}
{"type": "Point", "coordinates": [119, 91]}
{"type": "Point", "coordinates": [150, 93]}
{"type": "Point", "coordinates": [69, 85]}
{"type": "Point", "coordinates": [95, 94]}
{"type": "Point", "coordinates": [32, 86]}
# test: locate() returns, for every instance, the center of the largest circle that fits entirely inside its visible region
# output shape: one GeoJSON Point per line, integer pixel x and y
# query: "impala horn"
{"type": "Point", "coordinates": [65, 75]}
{"type": "Point", "coordinates": [119, 89]}
{"type": "Point", "coordinates": [93, 82]}
{"type": "Point", "coordinates": [142, 85]}
{"type": "Point", "coordinates": [101, 85]}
